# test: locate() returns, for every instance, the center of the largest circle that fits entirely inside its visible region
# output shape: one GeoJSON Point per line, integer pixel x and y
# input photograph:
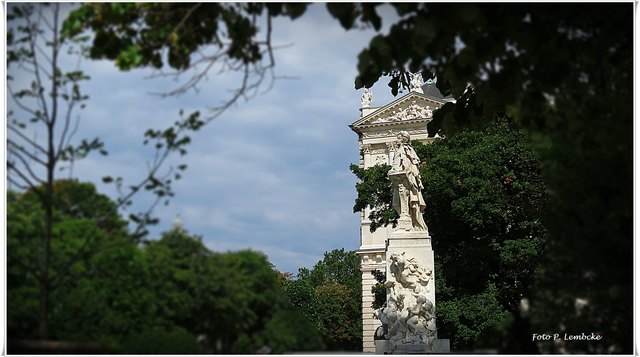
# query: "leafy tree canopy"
{"type": "Point", "coordinates": [330, 297]}
{"type": "Point", "coordinates": [136, 35]}
{"type": "Point", "coordinates": [84, 224]}
{"type": "Point", "coordinates": [517, 57]}
{"type": "Point", "coordinates": [150, 298]}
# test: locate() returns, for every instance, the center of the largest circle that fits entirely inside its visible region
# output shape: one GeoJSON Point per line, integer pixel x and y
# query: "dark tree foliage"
{"type": "Point", "coordinates": [194, 40]}
{"type": "Point", "coordinates": [158, 340]}
{"type": "Point", "coordinates": [485, 203]}
{"type": "Point", "coordinates": [136, 34]}
{"type": "Point", "coordinates": [112, 304]}
{"type": "Point", "coordinates": [330, 297]}
{"type": "Point", "coordinates": [564, 73]}
{"type": "Point", "coordinates": [234, 299]}
{"type": "Point", "coordinates": [514, 55]}
{"type": "Point", "coordinates": [76, 206]}
{"type": "Point", "coordinates": [374, 190]}
{"type": "Point", "coordinates": [148, 299]}
{"type": "Point", "coordinates": [378, 290]}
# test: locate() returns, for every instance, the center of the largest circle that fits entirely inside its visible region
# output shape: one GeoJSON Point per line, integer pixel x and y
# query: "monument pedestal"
{"type": "Point", "coordinates": [417, 245]}
{"type": "Point", "coordinates": [412, 246]}
{"type": "Point", "coordinates": [438, 346]}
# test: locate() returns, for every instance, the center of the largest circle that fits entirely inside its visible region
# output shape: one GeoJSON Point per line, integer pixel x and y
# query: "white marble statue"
{"type": "Point", "coordinates": [416, 82]}
{"type": "Point", "coordinates": [407, 185]}
{"type": "Point", "coordinates": [409, 316]}
{"type": "Point", "coordinates": [367, 97]}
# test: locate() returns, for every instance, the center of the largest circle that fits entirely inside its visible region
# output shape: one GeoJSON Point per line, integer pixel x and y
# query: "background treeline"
{"type": "Point", "coordinates": [171, 295]}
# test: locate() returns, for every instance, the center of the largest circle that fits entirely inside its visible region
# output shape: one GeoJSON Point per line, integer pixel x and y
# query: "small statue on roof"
{"type": "Point", "coordinates": [416, 82]}
{"type": "Point", "coordinates": [367, 97]}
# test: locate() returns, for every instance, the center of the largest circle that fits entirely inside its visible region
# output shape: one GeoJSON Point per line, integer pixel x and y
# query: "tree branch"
{"type": "Point", "coordinates": [19, 103]}
{"type": "Point", "coordinates": [29, 141]}
{"type": "Point", "coordinates": [16, 183]}
{"type": "Point", "coordinates": [182, 21]}
{"type": "Point", "coordinates": [46, 57]}
{"type": "Point", "coordinates": [12, 166]}
{"type": "Point", "coordinates": [54, 79]}
{"type": "Point", "coordinates": [32, 43]}
{"type": "Point", "coordinates": [27, 166]}
{"type": "Point", "coordinates": [67, 121]}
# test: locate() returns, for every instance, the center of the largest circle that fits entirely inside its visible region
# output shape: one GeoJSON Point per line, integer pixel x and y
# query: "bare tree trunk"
{"type": "Point", "coordinates": [45, 293]}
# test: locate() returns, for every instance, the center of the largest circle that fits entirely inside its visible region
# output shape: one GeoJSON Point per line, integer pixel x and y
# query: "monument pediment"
{"type": "Point", "coordinates": [411, 108]}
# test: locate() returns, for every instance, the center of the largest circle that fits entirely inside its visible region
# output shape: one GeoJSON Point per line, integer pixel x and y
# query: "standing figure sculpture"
{"type": "Point", "coordinates": [407, 185]}
{"type": "Point", "coordinates": [367, 97]}
{"type": "Point", "coordinates": [415, 83]}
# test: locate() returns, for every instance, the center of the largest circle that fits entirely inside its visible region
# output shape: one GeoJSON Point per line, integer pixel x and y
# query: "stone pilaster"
{"type": "Point", "coordinates": [370, 261]}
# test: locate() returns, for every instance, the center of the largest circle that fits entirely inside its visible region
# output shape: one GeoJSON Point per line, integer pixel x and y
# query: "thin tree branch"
{"type": "Point", "coordinates": [44, 54]}
{"type": "Point", "coordinates": [67, 121]}
{"type": "Point", "coordinates": [54, 62]}
{"type": "Point", "coordinates": [32, 40]}
{"type": "Point", "coordinates": [12, 166]}
{"type": "Point", "coordinates": [75, 129]}
{"type": "Point", "coordinates": [25, 138]}
{"type": "Point", "coordinates": [12, 146]}
{"type": "Point", "coordinates": [27, 166]}
{"type": "Point", "coordinates": [22, 66]}
{"type": "Point", "coordinates": [16, 183]}
{"type": "Point", "coordinates": [19, 102]}
{"type": "Point", "coordinates": [191, 83]}
{"type": "Point", "coordinates": [46, 22]}
{"type": "Point", "coordinates": [182, 21]}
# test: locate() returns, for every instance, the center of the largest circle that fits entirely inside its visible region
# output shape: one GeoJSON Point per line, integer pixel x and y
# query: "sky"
{"type": "Point", "coordinates": [270, 174]}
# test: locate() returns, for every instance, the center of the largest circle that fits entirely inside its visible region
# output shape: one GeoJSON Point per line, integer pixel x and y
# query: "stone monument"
{"type": "Point", "coordinates": [408, 319]}
{"type": "Point", "coordinates": [378, 130]}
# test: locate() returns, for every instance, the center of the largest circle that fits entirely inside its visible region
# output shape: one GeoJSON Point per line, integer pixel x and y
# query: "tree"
{"type": "Point", "coordinates": [45, 97]}
{"type": "Point", "coordinates": [234, 300]}
{"type": "Point", "coordinates": [330, 297]}
{"type": "Point", "coordinates": [289, 331]}
{"type": "Point", "coordinates": [112, 304]}
{"type": "Point", "coordinates": [485, 205]}
{"type": "Point", "coordinates": [76, 206]}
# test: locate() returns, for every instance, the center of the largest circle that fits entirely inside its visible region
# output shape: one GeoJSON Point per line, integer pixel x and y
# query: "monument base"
{"type": "Point", "coordinates": [438, 346]}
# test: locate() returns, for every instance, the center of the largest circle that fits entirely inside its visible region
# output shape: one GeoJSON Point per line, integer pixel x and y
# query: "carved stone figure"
{"type": "Point", "coordinates": [409, 317]}
{"type": "Point", "coordinates": [412, 112]}
{"type": "Point", "coordinates": [407, 185]}
{"type": "Point", "coordinates": [416, 82]}
{"type": "Point", "coordinates": [367, 97]}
